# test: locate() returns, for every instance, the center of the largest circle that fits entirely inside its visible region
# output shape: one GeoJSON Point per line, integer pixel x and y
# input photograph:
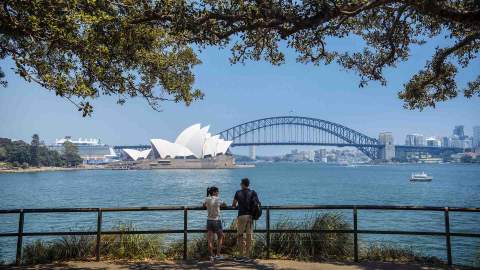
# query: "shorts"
{"type": "Point", "coordinates": [214, 226]}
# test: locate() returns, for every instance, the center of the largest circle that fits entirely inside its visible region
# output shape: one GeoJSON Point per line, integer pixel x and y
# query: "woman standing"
{"type": "Point", "coordinates": [214, 224]}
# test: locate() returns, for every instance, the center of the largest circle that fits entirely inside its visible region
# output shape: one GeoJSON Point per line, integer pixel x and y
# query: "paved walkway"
{"type": "Point", "coordinates": [230, 265]}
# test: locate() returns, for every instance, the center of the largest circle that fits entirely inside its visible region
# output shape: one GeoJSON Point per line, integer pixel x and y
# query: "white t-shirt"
{"type": "Point", "coordinates": [213, 204]}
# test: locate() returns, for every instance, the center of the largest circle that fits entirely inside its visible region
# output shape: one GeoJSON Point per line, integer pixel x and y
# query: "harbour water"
{"type": "Point", "coordinates": [276, 183]}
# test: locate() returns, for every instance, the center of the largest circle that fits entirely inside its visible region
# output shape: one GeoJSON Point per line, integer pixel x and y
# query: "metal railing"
{"type": "Point", "coordinates": [268, 230]}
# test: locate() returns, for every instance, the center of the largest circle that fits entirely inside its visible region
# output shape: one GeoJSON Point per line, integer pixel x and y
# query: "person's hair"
{"type": "Point", "coordinates": [211, 190]}
{"type": "Point", "coordinates": [245, 182]}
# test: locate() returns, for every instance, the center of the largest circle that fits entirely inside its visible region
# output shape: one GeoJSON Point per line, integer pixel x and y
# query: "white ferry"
{"type": "Point", "coordinates": [421, 177]}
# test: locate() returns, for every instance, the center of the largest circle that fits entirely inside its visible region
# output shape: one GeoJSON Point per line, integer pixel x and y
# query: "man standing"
{"type": "Point", "coordinates": [244, 199]}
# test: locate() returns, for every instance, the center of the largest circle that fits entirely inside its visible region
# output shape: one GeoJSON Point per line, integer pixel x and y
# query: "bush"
{"type": "Point", "coordinates": [124, 246]}
{"type": "Point", "coordinates": [65, 248]}
{"type": "Point", "coordinates": [390, 253]}
{"type": "Point", "coordinates": [313, 246]}
{"type": "Point", "coordinates": [132, 246]}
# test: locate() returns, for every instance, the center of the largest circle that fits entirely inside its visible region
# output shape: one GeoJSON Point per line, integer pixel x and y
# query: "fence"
{"type": "Point", "coordinates": [267, 231]}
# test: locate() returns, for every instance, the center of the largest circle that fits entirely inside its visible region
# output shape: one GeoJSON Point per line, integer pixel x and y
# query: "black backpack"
{"type": "Point", "coordinates": [255, 206]}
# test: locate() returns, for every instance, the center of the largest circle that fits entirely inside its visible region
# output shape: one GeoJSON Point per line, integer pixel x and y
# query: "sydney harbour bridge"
{"type": "Point", "coordinates": [297, 130]}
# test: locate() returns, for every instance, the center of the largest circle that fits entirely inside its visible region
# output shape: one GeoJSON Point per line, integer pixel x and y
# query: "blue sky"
{"type": "Point", "coordinates": [239, 93]}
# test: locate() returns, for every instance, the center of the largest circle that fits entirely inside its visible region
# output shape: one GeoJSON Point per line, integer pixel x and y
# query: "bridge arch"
{"type": "Point", "coordinates": [296, 130]}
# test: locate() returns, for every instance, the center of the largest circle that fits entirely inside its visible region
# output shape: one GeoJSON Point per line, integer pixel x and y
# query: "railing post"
{"type": "Point", "coordinates": [18, 257]}
{"type": "Point", "coordinates": [447, 237]}
{"type": "Point", "coordinates": [99, 233]}
{"type": "Point", "coordinates": [185, 232]}
{"type": "Point", "coordinates": [355, 235]}
{"type": "Point", "coordinates": [267, 221]}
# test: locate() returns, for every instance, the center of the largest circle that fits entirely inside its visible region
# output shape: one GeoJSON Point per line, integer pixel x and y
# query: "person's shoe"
{"type": "Point", "coordinates": [247, 260]}
{"type": "Point", "coordinates": [212, 258]}
{"type": "Point", "coordinates": [219, 257]}
{"type": "Point", "coordinates": [239, 259]}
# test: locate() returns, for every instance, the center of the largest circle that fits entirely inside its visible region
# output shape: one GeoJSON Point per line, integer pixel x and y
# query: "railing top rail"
{"type": "Point", "coordinates": [272, 207]}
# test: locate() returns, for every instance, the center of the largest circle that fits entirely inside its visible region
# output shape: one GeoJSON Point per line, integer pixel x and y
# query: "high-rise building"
{"type": "Point", "coordinates": [459, 143]}
{"type": "Point", "coordinates": [476, 136]}
{"type": "Point", "coordinates": [388, 152]}
{"type": "Point", "coordinates": [419, 140]}
{"type": "Point", "coordinates": [253, 155]}
{"type": "Point", "coordinates": [433, 142]}
{"type": "Point", "coordinates": [458, 130]}
{"type": "Point", "coordinates": [415, 140]}
{"type": "Point", "coordinates": [410, 140]}
{"type": "Point", "coordinates": [446, 142]}
{"type": "Point", "coordinates": [320, 154]}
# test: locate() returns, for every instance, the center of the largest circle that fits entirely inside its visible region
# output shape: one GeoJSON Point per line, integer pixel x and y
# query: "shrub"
{"type": "Point", "coordinates": [313, 245]}
{"type": "Point", "coordinates": [65, 248]}
{"type": "Point", "coordinates": [132, 246]}
{"type": "Point", "coordinates": [122, 246]}
{"type": "Point", "coordinates": [390, 253]}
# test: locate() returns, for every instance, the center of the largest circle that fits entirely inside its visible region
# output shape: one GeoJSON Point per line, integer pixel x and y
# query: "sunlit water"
{"type": "Point", "coordinates": [276, 184]}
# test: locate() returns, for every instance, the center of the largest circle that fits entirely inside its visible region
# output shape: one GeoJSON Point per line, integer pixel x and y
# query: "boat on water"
{"type": "Point", "coordinates": [421, 177]}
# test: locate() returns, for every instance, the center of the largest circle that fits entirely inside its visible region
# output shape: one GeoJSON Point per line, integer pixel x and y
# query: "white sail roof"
{"type": "Point", "coordinates": [210, 146]}
{"type": "Point", "coordinates": [168, 149]}
{"type": "Point", "coordinates": [135, 154]}
{"type": "Point", "coordinates": [223, 146]}
{"type": "Point", "coordinates": [196, 142]}
{"type": "Point", "coordinates": [193, 141]}
{"type": "Point", "coordinates": [187, 134]}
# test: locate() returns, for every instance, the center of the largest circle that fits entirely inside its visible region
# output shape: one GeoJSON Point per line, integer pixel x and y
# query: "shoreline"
{"type": "Point", "coordinates": [44, 169]}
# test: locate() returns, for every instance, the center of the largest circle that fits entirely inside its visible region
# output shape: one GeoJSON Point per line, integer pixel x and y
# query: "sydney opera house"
{"type": "Point", "coordinates": [194, 147]}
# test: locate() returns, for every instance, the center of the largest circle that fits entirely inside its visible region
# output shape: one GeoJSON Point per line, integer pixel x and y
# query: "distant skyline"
{"type": "Point", "coordinates": [238, 93]}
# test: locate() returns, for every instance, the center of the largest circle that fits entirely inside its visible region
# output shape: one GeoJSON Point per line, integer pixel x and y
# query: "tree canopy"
{"type": "Point", "coordinates": [87, 48]}
{"type": "Point", "coordinates": [19, 153]}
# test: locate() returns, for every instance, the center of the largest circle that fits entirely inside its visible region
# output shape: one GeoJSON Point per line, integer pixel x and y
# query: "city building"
{"type": "Point", "coordinates": [410, 140]}
{"type": "Point", "coordinates": [415, 140]}
{"type": "Point", "coordinates": [253, 155]}
{"type": "Point", "coordinates": [297, 156]}
{"type": "Point", "coordinates": [321, 155]}
{"type": "Point", "coordinates": [446, 142]}
{"type": "Point", "coordinates": [433, 142]}
{"type": "Point", "coordinates": [459, 131]}
{"type": "Point", "coordinates": [476, 136]}
{"type": "Point", "coordinates": [465, 143]}
{"type": "Point", "coordinates": [386, 139]}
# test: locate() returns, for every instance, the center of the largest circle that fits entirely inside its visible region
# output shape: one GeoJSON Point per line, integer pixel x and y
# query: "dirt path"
{"type": "Point", "coordinates": [231, 265]}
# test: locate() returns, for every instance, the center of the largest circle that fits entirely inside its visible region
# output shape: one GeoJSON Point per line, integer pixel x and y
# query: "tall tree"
{"type": "Point", "coordinates": [3, 153]}
{"type": "Point", "coordinates": [34, 145]}
{"type": "Point", "coordinates": [18, 152]}
{"type": "Point", "coordinates": [70, 154]}
{"type": "Point", "coordinates": [86, 48]}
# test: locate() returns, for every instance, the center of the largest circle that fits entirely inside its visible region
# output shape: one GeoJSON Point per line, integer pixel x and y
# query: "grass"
{"type": "Point", "coordinates": [122, 246]}
{"type": "Point", "coordinates": [390, 253]}
{"type": "Point", "coordinates": [65, 248]}
{"type": "Point", "coordinates": [311, 246]}
{"type": "Point", "coordinates": [132, 246]}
